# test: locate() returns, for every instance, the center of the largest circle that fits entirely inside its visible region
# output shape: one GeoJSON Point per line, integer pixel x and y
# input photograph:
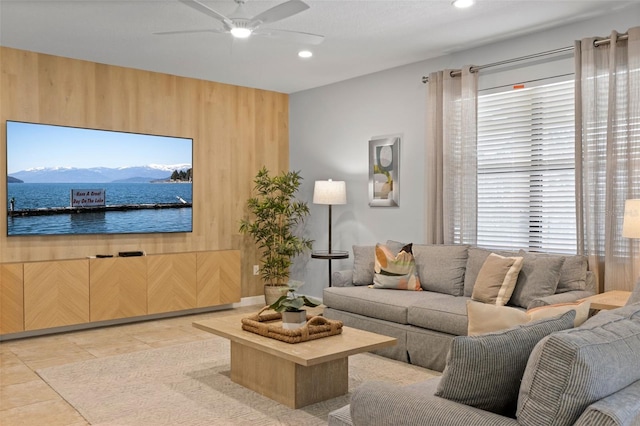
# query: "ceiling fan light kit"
{"type": "Point", "coordinates": [239, 32]}
{"type": "Point", "coordinates": [241, 25]}
{"type": "Point", "coordinates": [462, 4]}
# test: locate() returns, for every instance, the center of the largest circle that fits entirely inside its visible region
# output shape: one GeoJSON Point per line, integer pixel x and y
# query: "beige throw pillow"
{"type": "Point", "coordinates": [497, 279]}
{"type": "Point", "coordinates": [485, 318]}
{"type": "Point", "coordinates": [581, 308]}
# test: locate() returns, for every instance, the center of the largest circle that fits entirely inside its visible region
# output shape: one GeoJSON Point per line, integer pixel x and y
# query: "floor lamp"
{"type": "Point", "coordinates": [631, 220]}
{"type": "Point", "coordinates": [330, 192]}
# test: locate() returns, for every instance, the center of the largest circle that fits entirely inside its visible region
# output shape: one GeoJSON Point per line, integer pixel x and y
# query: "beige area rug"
{"type": "Point", "coordinates": [189, 384]}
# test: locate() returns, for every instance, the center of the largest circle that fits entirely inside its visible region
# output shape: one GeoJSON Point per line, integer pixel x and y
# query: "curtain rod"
{"type": "Point", "coordinates": [596, 43]}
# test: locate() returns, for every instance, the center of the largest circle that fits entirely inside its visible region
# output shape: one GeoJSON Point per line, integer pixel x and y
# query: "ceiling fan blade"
{"type": "Point", "coordinates": [209, 30]}
{"type": "Point", "coordinates": [295, 36]}
{"type": "Point", "coordinates": [276, 13]}
{"type": "Point", "coordinates": [208, 11]}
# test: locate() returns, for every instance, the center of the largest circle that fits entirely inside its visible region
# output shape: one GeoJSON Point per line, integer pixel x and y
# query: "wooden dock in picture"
{"type": "Point", "coordinates": [95, 209]}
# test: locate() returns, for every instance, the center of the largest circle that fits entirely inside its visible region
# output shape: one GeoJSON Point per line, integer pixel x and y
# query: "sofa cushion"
{"type": "Point", "coordinates": [363, 264]}
{"type": "Point", "coordinates": [384, 304]}
{"type": "Point", "coordinates": [395, 271]}
{"type": "Point", "coordinates": [496, 279]}
{"type": "Point", "coordinates": [573, 274]}
{"type": "Point", "coordinates": [439, 312]}
{"type": "Point", "coordinates": [441, 267]}
{"type": "Point", "coordinates": [475, 259]}
{"type": "Point", "coordinates": [486, 318]}
{"type": "Point", "coordinates": [385, 404]}
{"type": "Point", "coordinates": [570, 370]}
{"type": "Point", "coordinates": [485, 371]}
{"type": "Point", "coordinates": [538, 278]}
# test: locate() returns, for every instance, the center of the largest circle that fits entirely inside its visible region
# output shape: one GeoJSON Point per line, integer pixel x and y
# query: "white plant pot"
{"type": "Point", "coordinates": [293, 320]}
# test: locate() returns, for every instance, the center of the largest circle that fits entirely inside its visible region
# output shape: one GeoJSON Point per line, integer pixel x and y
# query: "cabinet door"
{"type": "Point", "coordinates": [171, 282]}
{"type": "Point", "coordinates": [56, 293]}
{"type": "Point", "coordinates": [118, 287]}
{"type": "Point", "coordinates": [11, 298]}
{"type": "Point", "coordinates": [218, 277]}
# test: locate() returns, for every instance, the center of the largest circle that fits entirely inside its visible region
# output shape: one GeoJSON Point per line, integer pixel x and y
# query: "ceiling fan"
{"type": "Point", "coordinates": [241, 25]}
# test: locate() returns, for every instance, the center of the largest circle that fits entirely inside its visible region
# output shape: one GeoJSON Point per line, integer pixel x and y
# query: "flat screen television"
{"type": "Point", "coordinates": [68, 180]}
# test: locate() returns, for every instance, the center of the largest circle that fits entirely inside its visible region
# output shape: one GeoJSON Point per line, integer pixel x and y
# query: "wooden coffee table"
{"type": "Point", "coordinates": [296, 374]}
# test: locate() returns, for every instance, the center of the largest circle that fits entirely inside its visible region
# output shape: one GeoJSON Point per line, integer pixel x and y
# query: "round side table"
{"type": "Point", "coordinates": [330, 255]}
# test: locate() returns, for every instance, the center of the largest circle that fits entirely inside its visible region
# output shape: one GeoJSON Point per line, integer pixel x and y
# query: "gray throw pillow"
{"type": "Point", "coordinates": [363, 264]}
{"type": "Point", "coordinates": [485, 371]}
{"type": "Point", "coordinates": [441, 267]}
{"type": "Point", "coordinates": [573, 274]}
{"type": "Point", "coordinates": [538, 278]}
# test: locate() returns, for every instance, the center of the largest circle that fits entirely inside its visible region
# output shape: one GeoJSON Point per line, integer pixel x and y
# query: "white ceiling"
{"type": "Point", "coordinates": [361, 36]}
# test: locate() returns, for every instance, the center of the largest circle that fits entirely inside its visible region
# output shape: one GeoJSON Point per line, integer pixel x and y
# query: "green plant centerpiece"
{"type": "Point", "coordinates": [290, 305]}
{"type": "Point", "coordinates": [275, 215]}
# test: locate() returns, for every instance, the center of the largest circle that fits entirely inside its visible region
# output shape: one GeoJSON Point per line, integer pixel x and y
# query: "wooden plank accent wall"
{"type": "Point", "coordinates": [217, 273]}
{"type": "Point", "coordinates": [235, 130]}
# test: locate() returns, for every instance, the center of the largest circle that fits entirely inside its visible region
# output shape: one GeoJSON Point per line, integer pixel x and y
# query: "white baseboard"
{"type": "Point", "coordinates": [249, 301]}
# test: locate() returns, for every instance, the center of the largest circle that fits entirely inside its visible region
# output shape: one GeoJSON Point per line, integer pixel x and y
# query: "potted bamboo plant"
{"type": "Point", "coordinates": [275, 214]}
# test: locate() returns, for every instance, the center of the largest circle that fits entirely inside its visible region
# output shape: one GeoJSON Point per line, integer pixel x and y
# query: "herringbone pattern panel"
{"type": "Point", "coordinates": [11, 298]}
{"type": "Point", "coordinates": [218, 277]}
{"type": "Point", "coordinates": [171, 281]}
{"type": "Point", "coordinates": [56, 293]}
{"type": "Point", "coordinates": [118, 288]}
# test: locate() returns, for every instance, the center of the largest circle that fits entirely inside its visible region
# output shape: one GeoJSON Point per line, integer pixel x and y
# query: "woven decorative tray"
{"type": "Point", "coordinates": [265, 324]}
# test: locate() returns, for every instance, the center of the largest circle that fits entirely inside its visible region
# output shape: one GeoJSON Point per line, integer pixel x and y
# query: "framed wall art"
{"type": "Point", "coordinates": [384, 171]}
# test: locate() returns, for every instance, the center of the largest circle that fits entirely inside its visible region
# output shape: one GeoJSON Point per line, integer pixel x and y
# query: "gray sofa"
{"type": "Point", "coordinates": [583, 376]}
{"type": "Point", "coordinates": [425, 322]}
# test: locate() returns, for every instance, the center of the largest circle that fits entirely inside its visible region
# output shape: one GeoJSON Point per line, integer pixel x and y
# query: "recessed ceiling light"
{"type": "Point", "coordinates": [461, 4]}
{"type": "Point", "coordinates": [239, 32]}
{"type": "Point", "coordinates": [305, 54]}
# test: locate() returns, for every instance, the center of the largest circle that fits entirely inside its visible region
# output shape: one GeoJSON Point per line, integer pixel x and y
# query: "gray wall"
{"type": "Point", "coordinates": [330, 128]}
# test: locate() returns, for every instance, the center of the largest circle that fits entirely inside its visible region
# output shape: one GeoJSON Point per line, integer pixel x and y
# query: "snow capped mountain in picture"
{"type": "Point", "coordinates": [147, 173]}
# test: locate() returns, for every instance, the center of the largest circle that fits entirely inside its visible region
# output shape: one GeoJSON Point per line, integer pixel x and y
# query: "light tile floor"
{"type": "Point", "coordinates": [25, 399]}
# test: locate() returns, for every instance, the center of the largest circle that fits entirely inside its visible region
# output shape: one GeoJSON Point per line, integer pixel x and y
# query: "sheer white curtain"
{"type": "Point", "coordinates": [608, 154]}
{"type": "Point", "coordinates": [451, 168]}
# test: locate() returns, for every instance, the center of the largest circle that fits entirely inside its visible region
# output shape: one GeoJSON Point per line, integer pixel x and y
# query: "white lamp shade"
{"type": "Point", "coordinates": [631, 223]}
{"type": "Point", "coordinates": [330, 192]}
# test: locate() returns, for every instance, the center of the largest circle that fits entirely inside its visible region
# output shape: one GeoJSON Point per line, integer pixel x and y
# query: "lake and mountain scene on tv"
{"type": "Point", "coordinates": [67, 180]}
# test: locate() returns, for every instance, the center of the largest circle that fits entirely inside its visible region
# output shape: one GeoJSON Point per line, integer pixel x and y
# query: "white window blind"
{"type": "Point", "coordinates": [526, 169]}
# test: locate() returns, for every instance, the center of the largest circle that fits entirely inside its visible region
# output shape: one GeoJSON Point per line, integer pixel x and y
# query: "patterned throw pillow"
{"type": "Point", "coordinates": [395, 271]}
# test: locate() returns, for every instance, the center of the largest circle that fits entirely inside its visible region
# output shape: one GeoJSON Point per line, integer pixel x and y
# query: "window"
{"type": "Point", "coordinates": [526, 169]}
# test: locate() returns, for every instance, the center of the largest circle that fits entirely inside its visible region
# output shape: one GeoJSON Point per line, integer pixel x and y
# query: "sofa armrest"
{"type": "Point", "coordinates": [380, 403]}
{"type": "Point", "coordinates": [621, 408]}
{"type": "Point", "coordinates": [568, 297]}
{"type": "Point", "coordinates": [342, 278]}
